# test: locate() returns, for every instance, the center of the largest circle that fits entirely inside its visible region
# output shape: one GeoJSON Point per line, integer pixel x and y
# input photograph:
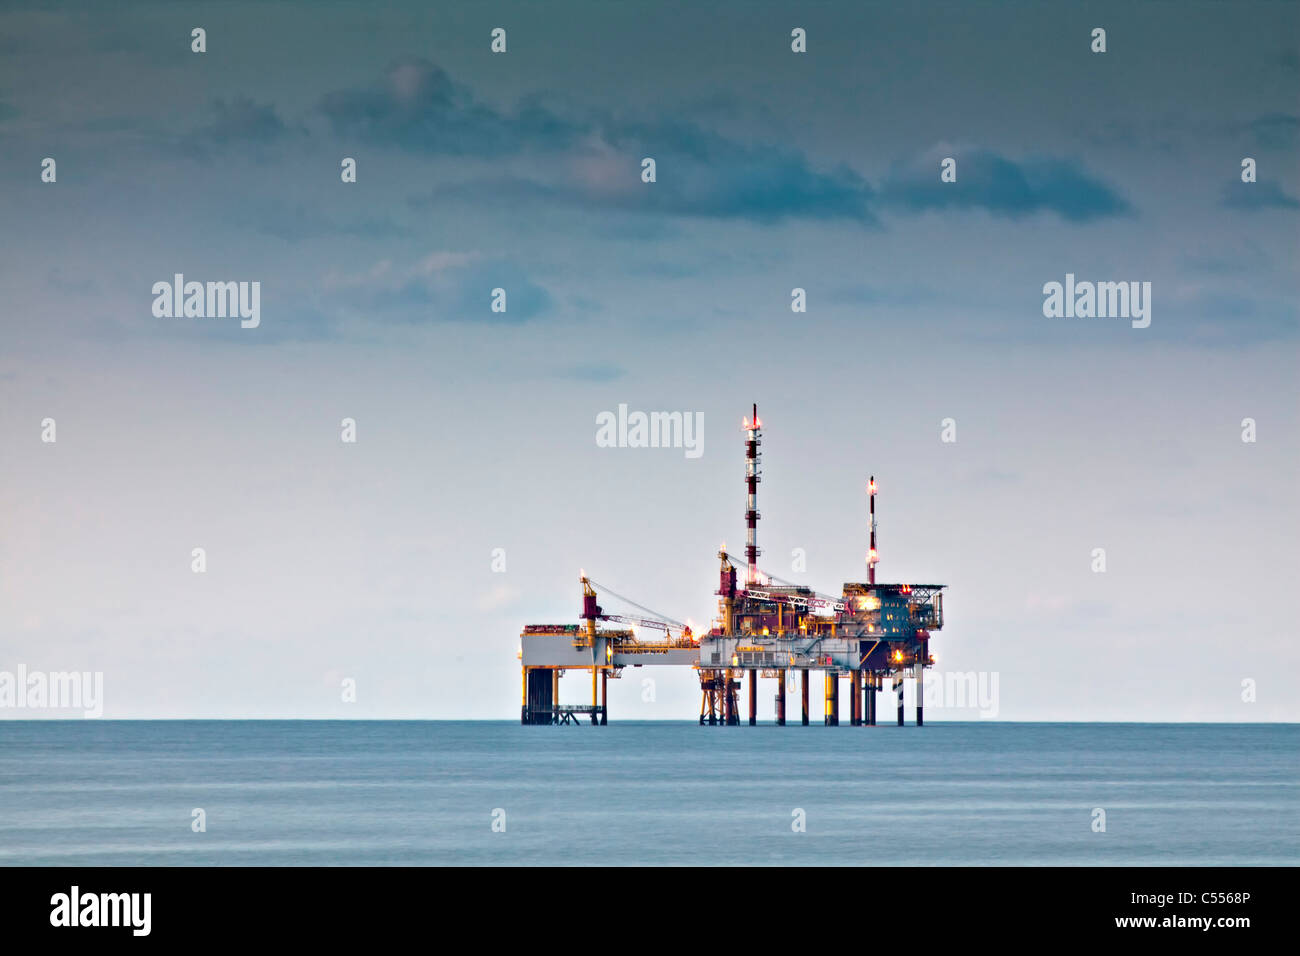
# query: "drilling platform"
{"type": "Point", "coordinates": [874, 636]}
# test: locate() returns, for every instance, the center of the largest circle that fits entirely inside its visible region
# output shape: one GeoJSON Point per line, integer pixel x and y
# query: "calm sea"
{"type": "Point", "coordinates": [333, 792]}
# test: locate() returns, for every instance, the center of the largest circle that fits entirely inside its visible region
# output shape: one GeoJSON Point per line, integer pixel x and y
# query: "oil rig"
{"type": "Point", "coordinates": [872, 635]}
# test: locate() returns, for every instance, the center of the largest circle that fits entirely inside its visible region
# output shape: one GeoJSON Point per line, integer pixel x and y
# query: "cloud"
{"type": "Point", "coordinates": [1274, 130]}
{"type": "Point", "coordinates": [443, 287]}
{"type": "Point", "coordinates": [705, 174]}
{"type": "Point", "coordinates": [760, 188]}
{"type": "Point", "coordinates": [595, 159]}
{"type": "Point", "coordinates": [238, 122]}
{"type": "Point", "coordinates": [862, 294]}
{"type": "Point", "coordinates": [1250, 258]}
{"type": "Point", "coordinates": [371, 304]}
{"type": "Point", "coordinates": [242, 121]}
{"type": "Point", "coordinates": [1001, 187]}
{"type": "Point", "coordinates": [1260, 195]}
{"type": "Point", "coordinates": [1219, 317]}
{"type": "Point", "coordinates": [421, 109]}
{"type": "Point", "coordinates": [294, 222]}
{"type": "Point", "coordinates": [635, 228]}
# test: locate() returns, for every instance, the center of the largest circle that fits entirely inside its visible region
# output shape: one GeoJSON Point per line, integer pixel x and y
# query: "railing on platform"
{"type": "Point", "coordinates": [564, 714]}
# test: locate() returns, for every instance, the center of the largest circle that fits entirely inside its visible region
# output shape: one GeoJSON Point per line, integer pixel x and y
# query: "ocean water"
{"type": "Point", "coordinates": [641, 793]}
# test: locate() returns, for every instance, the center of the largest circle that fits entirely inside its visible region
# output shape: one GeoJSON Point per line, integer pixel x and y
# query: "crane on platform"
{"type": "Point", "coordinates": [658, 621]}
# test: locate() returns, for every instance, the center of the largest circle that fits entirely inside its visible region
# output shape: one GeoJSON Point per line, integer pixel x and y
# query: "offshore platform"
{"type": "Point", "coordinates": [873, 636]}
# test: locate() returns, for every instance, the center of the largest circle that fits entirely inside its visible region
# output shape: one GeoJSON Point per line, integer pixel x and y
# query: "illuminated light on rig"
{"type": "Point", "coordinates": [735, 660]}
{"type": "Point", "coordinates": [609, 653]}
{"type": "Point", "coordinates": [898, 656]}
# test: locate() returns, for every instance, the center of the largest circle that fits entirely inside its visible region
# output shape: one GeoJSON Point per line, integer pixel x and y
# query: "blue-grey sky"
{"type": "Point", "coordinates": [476, 430]}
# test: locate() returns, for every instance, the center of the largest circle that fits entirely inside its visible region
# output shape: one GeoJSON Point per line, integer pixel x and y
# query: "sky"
{"type": "Point", "coordinates": [377, 561]}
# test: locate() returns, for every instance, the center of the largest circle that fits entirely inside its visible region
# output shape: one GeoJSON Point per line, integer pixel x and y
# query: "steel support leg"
{"type": "Point", "coordinates": [832, 708]}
